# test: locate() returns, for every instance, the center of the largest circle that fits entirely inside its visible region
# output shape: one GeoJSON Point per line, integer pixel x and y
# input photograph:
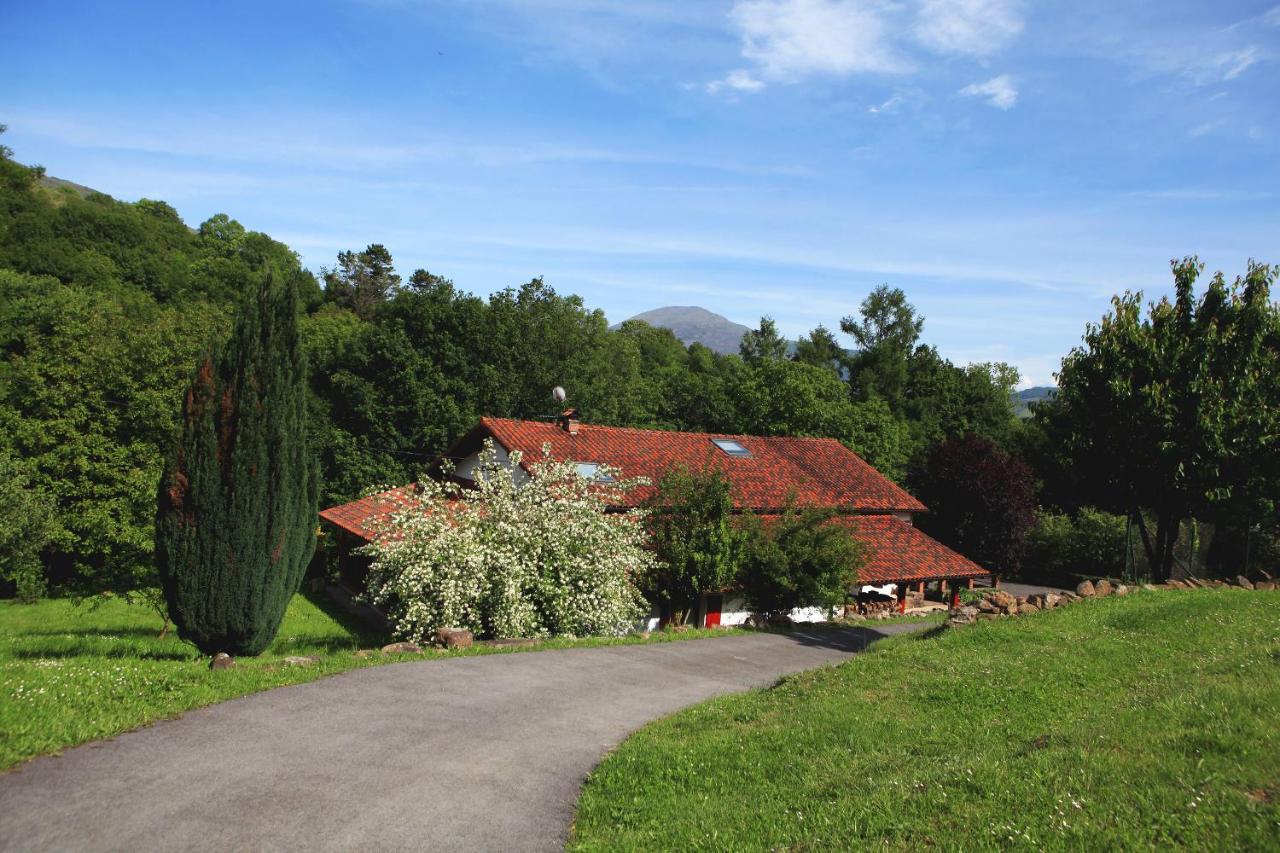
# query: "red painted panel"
{"type": "Point", "coordinates": [714, 603]}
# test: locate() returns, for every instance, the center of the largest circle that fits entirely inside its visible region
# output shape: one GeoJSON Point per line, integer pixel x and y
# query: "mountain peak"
{"type": "Point", "coordinates": [694, 324]}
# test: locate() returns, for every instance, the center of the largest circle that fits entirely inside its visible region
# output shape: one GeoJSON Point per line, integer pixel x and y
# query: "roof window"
{"type": "Point", "coordinates": [591, 471]}
{"type": "Point", "coordinates": [731, 447]}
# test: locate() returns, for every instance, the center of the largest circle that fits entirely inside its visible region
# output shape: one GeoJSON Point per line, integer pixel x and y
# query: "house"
{"type": "Point", "coordinates": [765, 472]}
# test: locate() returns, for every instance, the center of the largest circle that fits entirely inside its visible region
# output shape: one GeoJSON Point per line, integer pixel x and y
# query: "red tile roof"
{"type": "Point", "coordinates": [897, 552]}
{"type": "Point", "coordinates": [821, 471]}
{"type": "Point", "coordinates": [360, 517]}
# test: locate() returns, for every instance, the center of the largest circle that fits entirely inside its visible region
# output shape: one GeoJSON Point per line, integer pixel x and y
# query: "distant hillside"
{"type": "Point", "coordinates": [60, 184]}
{"type": "Point", "coordinates": [1022, 400]}
{"type": "Point", "coordinates": [690, 324]}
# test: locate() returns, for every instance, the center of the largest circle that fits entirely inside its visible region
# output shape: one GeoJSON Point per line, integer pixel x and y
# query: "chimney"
{"type": "Point", "coordinates": [568, 421]}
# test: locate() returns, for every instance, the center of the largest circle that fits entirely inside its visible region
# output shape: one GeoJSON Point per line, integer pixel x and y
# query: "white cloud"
{"type": "Point", "coordinates": [889, 106]}
{"type": "Point", "coordinates": [1232, 64]}
{"type": "Point", "coordinates": [1205, 129]}
{"type": "Point", "coordinates": [968, 27]}
{"type": "Point", "coordinates": [999, 91]}
{"type": "Point", "coordinates": [791, 39]}
{"type": "Point", "coordinates": [739, 80]}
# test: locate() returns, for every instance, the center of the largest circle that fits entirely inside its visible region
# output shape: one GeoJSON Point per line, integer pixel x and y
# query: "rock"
{"type": "Point", "coordinates": [985, 605]}
{"type": "Point", "coordinates": [1085, 589]}
{"type": "Point", "coordinates": [454, 638]}
{"type": "Point", "coordinates": [1243, 582]}
{"type": "Point", "coordinates": [402, 649]}
{"type": "Point", "coordinates": [988, 616]}
{"type": "Point", "coordinates": [1020, 600]}
{"type": "Point", "coordinates": [301, 660]}
{"type": "Point", "coordinates": [1266, 576]}
{"type": "Point", "coordinates": [1216, 584]}
{"type": "Point", "coordinates": [222, 660]}
{"type": "Point", "coordinates": [1121, 589]}
{"type": "Point", "coordinates": [1265, 585]}
{"type": "Point", "coordinates": [1003, 600]}
{"type": "Point", "coordinates": [1149, 588]}
{"type": "Point", "coordinates": [1027, 609]}
{"type": "Point", "coordinates": [522, 642]}
{"type": "Point", "coordinates": [1103, 588]}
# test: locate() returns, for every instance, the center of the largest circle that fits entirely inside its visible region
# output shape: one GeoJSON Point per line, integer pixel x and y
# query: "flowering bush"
{"type": "Point", "coordinates": [512, 559]}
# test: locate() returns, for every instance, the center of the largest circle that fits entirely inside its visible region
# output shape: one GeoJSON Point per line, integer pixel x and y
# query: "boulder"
{"type": "Point", "coordinates": [1103, 588]}
{"type": "Point", "coordinates": [1265, 585]}
{"type": "Point", "coordinates": [1243, 582]}
{"type": "Point", "coordinates": [402, 649]}
{"type": "Point", "coordinates": [1027, 609]}
{"type": "Point", "coordinates": [1121, 589]}
{"type": "Point", "coordinates": [986, 606]}
{"type": "Point", "coordinates": [1003, 600]}
{"type": "Point", "coordinates": [1051, 600]}
{"type": "Point", "coordinates": [454, 638]}
{"type": "Point", "coordinates": [301, 660]}
{"type": "Point", "coordinates": [222, 660]}
{"type": "Point", "coordinates": [1149, 587]}
{"type": "Point", "coordinates": [1085, 589]}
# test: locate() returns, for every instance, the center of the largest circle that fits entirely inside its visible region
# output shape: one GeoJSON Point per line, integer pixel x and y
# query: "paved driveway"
{"type": "Point", "coordinates": [479, 753]}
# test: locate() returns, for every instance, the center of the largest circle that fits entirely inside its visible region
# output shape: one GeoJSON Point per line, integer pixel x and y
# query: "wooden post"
{"type": "Point", "coordinates": [955, 597]}
{"type": "Point", "coordinates": [970, 583]}
{"type": "Point", "coordinates": [902, 598]}
{"type": "Point", "coordinates": [920, 588]}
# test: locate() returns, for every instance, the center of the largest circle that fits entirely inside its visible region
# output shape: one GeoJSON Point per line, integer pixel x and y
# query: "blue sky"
{"type": "Point", "coordinates": [1009, 165]}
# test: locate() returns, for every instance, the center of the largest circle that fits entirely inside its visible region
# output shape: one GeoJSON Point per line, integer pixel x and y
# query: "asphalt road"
{"type": "Point", "coordinates": [476, 753]}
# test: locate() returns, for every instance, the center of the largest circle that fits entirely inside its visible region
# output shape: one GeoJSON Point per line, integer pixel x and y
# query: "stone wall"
{"type": "Point", "coordinates": [997, 604]}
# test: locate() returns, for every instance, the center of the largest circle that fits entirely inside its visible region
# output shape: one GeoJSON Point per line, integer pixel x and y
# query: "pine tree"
{"type": "Point", "coordinates": [236, 517]}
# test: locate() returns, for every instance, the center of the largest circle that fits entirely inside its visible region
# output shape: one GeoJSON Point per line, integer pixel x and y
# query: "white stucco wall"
{"type": "Point", "coordinates": [466, 469]}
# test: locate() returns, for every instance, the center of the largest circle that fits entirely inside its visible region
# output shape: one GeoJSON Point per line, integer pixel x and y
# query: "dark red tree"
{"type": "Point", "coordinates": [981, 501]}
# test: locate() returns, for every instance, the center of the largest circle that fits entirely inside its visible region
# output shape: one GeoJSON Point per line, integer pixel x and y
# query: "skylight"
{"type": "Point", "coordinates": [591, 471]}
{"type": "Point", "coordinates": [731, 447]}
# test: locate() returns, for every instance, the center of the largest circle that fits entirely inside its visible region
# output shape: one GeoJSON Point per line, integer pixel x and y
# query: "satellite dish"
{"type": "Point", "coordinates": [557, 394]}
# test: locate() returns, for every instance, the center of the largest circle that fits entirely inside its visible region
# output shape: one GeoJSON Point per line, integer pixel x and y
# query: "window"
{"type": "Point", "coordinates": [591, 471]}
{"type": "Point", "coordinates": [731, 447]}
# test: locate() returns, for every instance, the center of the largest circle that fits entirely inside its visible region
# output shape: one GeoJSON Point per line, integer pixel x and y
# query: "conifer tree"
{"type": "Point", "coordinates": [236, 516]}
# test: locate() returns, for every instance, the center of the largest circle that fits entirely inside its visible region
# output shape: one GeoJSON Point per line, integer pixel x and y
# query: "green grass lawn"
{"type": "Point", "coordinates": [70, 674]}
{"type": "Point", "coordinates": [1150, 721]}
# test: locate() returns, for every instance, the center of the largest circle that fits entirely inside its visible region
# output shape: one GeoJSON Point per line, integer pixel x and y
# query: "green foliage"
{"type": "Point", "coordinates": [26, 527]}
{"type": "Point", "coordinates": [820, 349]}
{"type": "Point", "coordinates": [1143, 722]}
{"type": "Point", "coordinates": [763, 344]}
{"type": "Point", "coordinates": [1177, 413]}
{"type": "Point", "coordinates": [1061, 547]}
{"type": "Point", "coordinates": [798, 560]}
{"type": "Point", "coordinates": [88, 391]}
{"type": "Point", "coordinates": [885, 335]}
{"type": "Point", "coordinates": [235, 523]}
{"type": "Point", "coordinates": [695, 538]}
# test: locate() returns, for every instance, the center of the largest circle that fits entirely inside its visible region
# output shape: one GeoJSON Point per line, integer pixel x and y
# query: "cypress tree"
{"type": "Point", "coordinates": [236, 510]}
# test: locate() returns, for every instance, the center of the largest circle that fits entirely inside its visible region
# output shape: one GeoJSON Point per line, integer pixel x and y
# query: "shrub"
{"type": "Point", "coordinates": [980, 501]}
{"type": "Point", "coordinates": [236, 513]}
{"type": "Point", "coordinates": [799, 559]}
{"type": "Point", "coordinates": [1060, 547]}
{"type": "Point", "coordinates": [26, 526]}
{"type": "Point", "coordinates": [692, 530]}
{"type": "Point", "coordinates": [511, 560]}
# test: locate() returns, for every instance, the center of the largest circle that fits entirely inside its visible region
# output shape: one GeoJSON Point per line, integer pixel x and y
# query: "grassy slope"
{"type": "Point", "coordinates": [1143, 721]}
{"type": "Point", "coordinates": [73, 674]}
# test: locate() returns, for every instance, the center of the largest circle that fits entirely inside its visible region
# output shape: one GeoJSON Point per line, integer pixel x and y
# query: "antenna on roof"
{"type": "Point", "coordinates": [557, 394]}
